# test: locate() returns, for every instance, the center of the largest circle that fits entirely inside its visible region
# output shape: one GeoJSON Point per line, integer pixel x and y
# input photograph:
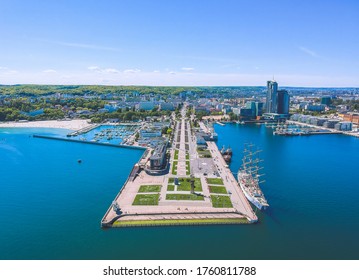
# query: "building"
{"type": "Point", "coordinates": [274, 116]}
{"type": "Point", "coordinates": [326, 100]}
{"type": "Point", "coordinates": [271, 101]}
{"type": "Point", "coordinates": [351, 117]}
{"type": "Point", "coordinates": [330, 123]}
{"type": "Point", "coordinates": [344, 126]}
{"type": "Point", "coordinates": [158, 158]}
{"type": "Point", "coordinates": [166, 106]}
{"type": "Point", "coordinates": [259, 108]}
{"type": "Point", "coordinates": [283, 102]}
{"type": "Point", "coordinates": [315, 107]}
{"type": "Point", "coordinates": [147, 105]}
{"type": "Point", "coordinates": [151, 133]}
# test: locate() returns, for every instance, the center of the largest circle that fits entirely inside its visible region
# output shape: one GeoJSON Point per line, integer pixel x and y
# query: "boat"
{"type": "Point", "coordinates": [229, 151]}
{"type": "Point", "coordinates": [227, 158]}
{"type": "Point", "coordinates": [248, 178]}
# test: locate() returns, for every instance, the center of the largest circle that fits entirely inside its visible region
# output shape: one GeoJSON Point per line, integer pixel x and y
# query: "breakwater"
{"type": "Point", "coordinates": [88, 142]}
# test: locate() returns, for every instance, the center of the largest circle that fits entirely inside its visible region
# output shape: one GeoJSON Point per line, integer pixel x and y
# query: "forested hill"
{"type": "Point", "coordinates": [30, 90]}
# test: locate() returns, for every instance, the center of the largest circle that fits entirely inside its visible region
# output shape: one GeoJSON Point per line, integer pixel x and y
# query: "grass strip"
{"type": "Point", "coordinates": [221, 201]}
{"type": "Point", "coordinates": [215, 181]}
{"type": "Point", "coordinates": [177, 196]}
{"type": "Point", "coordinates": [185, 184]}
{"type": "Point", "coordinates": [174, 167]}
{"type": "Point", "coordinates": [146, 199]}
{"type": "Point", "coordinates": [149, 188]}
{"type": "Point", "coordinates": [216, 189]}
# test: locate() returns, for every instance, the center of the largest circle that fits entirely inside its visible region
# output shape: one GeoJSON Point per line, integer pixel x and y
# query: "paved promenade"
{"type": "Point", "coordinates": [170, 209]}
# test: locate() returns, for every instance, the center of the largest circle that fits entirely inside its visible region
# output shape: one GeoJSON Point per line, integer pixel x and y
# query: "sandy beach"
{"type": "Point", "coordinates": [72, 124]}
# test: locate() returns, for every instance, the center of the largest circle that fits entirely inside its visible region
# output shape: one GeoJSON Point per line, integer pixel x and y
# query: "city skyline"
{"type": "Point", "coordinates": [235, 43]}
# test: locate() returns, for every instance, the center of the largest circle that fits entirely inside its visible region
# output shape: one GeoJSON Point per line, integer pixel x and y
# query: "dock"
{"type": "Point", "coordinates": [83, 130]}
{"type": "Point", "coordinates": [168, 204]}
{"type": "Point", "coordinates": [88, 142]}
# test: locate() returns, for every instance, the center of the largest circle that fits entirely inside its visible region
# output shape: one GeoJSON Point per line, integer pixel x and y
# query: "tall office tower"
{"type": "Point", "coordinates": [271, 101]}
{"type": "Point", "coordinates": [283, 102]}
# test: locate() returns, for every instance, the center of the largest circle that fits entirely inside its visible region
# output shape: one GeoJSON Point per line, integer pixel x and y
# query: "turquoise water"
{"type": "Point", "coordinates": [51, 206]}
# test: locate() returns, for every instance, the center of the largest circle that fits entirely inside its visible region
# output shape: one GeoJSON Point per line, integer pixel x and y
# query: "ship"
{"type": "Point", "coordinates": [248, 178]}
{"type": "Point", "coordinates": [227, 154]}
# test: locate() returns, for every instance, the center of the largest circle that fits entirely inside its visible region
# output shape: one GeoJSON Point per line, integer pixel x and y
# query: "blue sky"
{"type": "Point", "coordinates": [122, 42]}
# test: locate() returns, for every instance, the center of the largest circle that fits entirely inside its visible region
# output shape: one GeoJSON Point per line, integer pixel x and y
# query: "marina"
{"type": "Point", "coordinates": [120, 134]}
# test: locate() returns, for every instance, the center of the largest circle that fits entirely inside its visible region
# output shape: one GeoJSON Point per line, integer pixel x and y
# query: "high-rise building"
{"type": "Point", "coordinates": [283, 102]}
{"type": "Point", "coordinates": [271, 101]}
{"type": "Point", "coordinates": [326, 100]}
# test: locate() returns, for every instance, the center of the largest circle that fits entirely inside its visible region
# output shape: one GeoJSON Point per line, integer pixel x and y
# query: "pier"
{"type": "Point", "coordinates": [88, 142]}
{"type": "Point", "coordinates": [83, 130]}
{"type": "Point", "coordinates": [169, 199]}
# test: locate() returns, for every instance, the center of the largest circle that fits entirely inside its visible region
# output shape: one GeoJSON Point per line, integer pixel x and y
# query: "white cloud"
{"type": "Point", "coordinates": [111, 70]}
{"type": "Point", "coordinates": [308, 51]}
{"type": "Point", "coordinates": [156, 71]}
{"type": "Point", "coordinates": [187, 68]}
{"type": "Point", "coordinates": [103, 70]}
{"type": "Point", "coordinates": [172, 73]}
{"type": "Point", "coordinates": [3, 68]}
{"type": "Point", "coordinates": [94, 68]}
{"type": "Point", "coordinates": [49, 71]}
{"type": "Point", "coordinates": [131, 71]}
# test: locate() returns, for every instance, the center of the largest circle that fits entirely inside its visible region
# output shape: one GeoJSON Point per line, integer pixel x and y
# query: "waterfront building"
{"type": "Point", "coordinates": [246, 113]}
{"type": "Point", "coordinates": [330, 123]}
{"type": "Point", "coordinates": [283, 102]}
{"type": "Point", "coordinates": [271, 101]}
{"type": "Point", "coordinates": [351, 117]}
{"type": "Point", "coordinates": [319, 121]}
{"type": "Point", "coordinates": [274, 116]}
{"type": "Point", "coordinates": [158, 158]}
{"type": "Point", "coordinates": [344, 126]}
{"type": "Point", "coordinates": [259, 109]}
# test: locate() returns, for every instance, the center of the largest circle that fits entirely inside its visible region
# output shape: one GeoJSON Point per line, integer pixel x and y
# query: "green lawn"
{"type": "Point", "coordinates": [185, 185]}
{"type": "Point", "coordinates": [215, 189]}
{"type": "Point", "coordinates": [150, 188]}
{"type": "Point", "coordinates": [146, 199]}
{"type": "Point", "coordinates": [187, 156]}
{"type": "Point", "coordinates": [215, 181]}
{"type": "Point", "coordinates": [176, 155]}
{"type": "Point", "coordinates": [188, 168]}
{"type": "Point", "coordinates": [174, 167]}
{"type": "Point", "coordinates": [171, 180]}
{"type": "Point", "coordinates": [174, 222]}
{"type": "Point", "coordinates": [170, 188]}
{"type": "Point", "coordinates": [178, 196]}
{"type": "Point", "coordinates": [221, 201]}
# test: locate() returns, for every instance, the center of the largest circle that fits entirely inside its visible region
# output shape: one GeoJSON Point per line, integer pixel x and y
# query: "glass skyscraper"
{"type": "Point", "coordinates": [283, 102]}
{"type": "Point", "coordinates": [271, 101]}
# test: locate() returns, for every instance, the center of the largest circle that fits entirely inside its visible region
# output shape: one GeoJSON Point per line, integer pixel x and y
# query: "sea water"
{"type": "Point", "coordinates": [51, 205]}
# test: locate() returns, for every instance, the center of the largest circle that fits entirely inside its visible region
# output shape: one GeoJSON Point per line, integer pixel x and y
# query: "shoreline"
{"type": "Point", "coordinates": [71, 124]}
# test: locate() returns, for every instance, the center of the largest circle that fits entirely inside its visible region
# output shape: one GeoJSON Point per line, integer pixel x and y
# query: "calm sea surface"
{"type": "Point", "coordinates": [51, 206]}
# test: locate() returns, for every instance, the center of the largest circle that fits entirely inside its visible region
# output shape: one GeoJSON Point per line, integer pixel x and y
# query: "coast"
{"type": "Point", "coordinates": [71, 124]}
